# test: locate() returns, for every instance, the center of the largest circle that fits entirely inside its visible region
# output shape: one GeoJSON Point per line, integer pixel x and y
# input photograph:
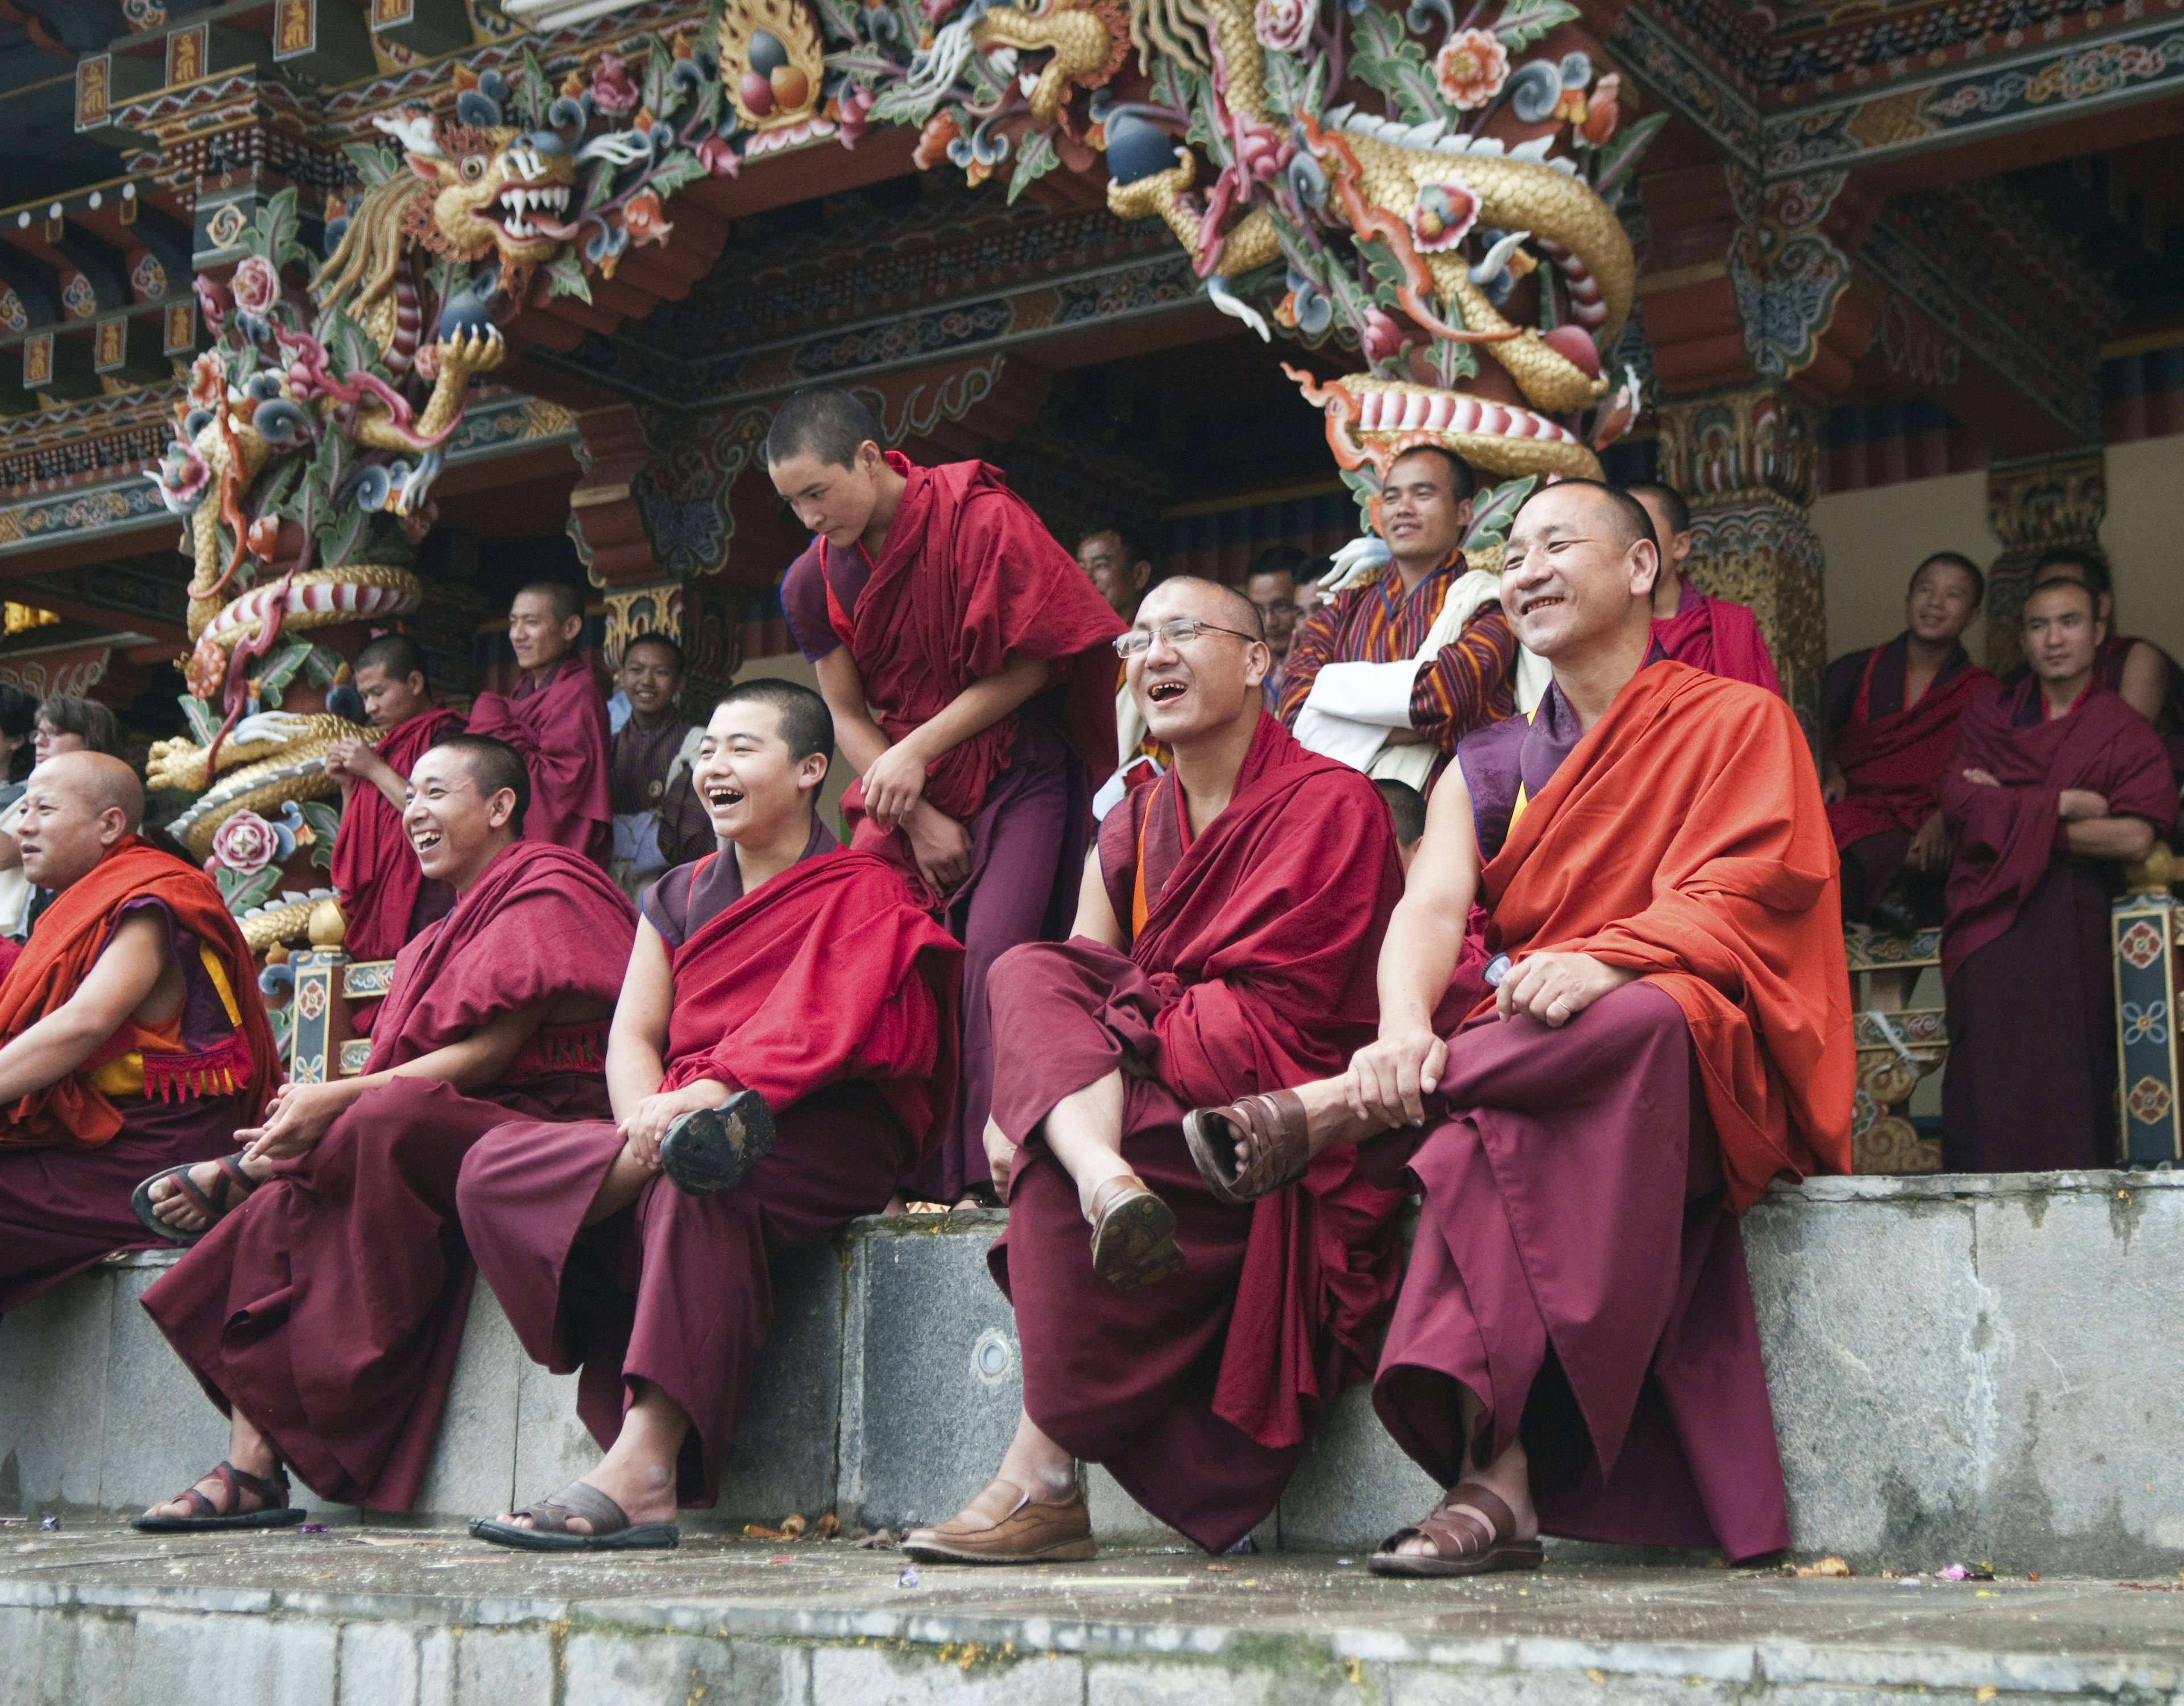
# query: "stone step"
{"type": "Point", "coordinates": [1962, 1368]}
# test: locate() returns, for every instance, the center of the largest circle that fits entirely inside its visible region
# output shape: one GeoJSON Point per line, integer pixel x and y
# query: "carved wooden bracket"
{"type": "Point", "coordinates": [604, 521]}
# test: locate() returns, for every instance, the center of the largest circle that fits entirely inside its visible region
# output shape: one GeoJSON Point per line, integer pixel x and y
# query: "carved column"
{"type": "Point", "coordinates": [608, 527]}
{"type": "Point", "coordinates": [2035, 505]}
{"type": "Point", "coordinates": [1747, 463]}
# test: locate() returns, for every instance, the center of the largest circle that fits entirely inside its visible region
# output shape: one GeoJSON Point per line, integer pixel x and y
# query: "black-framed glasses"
{"type": "Point", "coordinates": [1177, 631]}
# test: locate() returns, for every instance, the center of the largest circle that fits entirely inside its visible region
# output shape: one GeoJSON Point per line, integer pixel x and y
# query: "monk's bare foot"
{"type": "Point", "coordinates": [1509, 1479]}
{"type": "Point", "coordinates": [177, 1208]}
{"type": "Point", "coordinates": [213, 1487]}
{"type": "Point", "coordinates": [645, 1491]}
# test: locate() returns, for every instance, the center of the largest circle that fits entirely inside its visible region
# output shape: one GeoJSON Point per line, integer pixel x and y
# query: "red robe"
{"type": "Point", "coordinates": [826, 991]}
{"type": "Point", "coordinates": [561, 730]}
{"type": "Point", "coordinates": [1893, 765]}
{"type": "Point", "coordinates": [1252, 966]}
{"type": "Point", "coordinates": [1718, 636]}
{"type": "Point", "coordinates": [330, 1305]}
{"type": "Point", "coordinates": [384, 894]}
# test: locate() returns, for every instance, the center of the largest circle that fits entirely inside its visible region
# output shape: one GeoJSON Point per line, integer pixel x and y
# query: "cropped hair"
{"type": "Point", "coordinates": [805, 722]}
{"type": "Point", "coordinates": [567, 601]}
{"type": "Point", "coordinates": [666, 643]}
{"type": "Point", "coordinates": [822, 421]}
{"type": "Point", "coordinates": [2090, 561]}
{"type": "Point", "coordinates": [1959, 560]}
{"type": "Point", "coordinates": [398, 655]}
{"type": "Point", "coordinates": [1408, 806]}
{"type": "Point", "coordinates": [1278, 560]}
{"type": "Point", "coordinates": [493, 765]}
{"type": "Point", "coordinates": [1672, 500]}
{"type": "Point", "coordinates": [1462, 479]}
{"type": "Point", "coordinates": [1635, 523]}
{"type": "Point", "coordinates": [18, 718]}
{"type": "Point", "coordinates": [1132, 542]}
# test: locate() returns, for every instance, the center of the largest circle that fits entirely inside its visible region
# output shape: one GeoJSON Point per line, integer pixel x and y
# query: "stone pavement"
{"type": "Point", "coordinates": [390, 1617]}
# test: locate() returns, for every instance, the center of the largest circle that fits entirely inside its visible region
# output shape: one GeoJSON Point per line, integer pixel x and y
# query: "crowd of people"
{"type": "Point", "coordinates": [1514, 892]}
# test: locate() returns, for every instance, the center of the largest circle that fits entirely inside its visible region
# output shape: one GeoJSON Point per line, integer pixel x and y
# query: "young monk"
{"type": "Point", "coordinates": [658, 820]}
{"type": "Point", "coordinates": [1669, 1033]}
{"type": "Point", "coordinates": [1892, 714]}
{"type": "Point", "coordinates": [963, 654]}
{"type": "Point", "coordinates": [385, 895]}
{"type": "Point", "coordinates": [2138, 672]}
{"type": "Point", "coordinates": [1713, 634]}
{"type": "Point", "coordinates": [1121, 568]}
{"type": "Point", "coordinates": [557, 719]}
{"type": "Point", "coordinates": [784, 1050]}
{"type": "Point", "coordinates": [1224, 942]}
{"type": "Point", "coordinates": [132, 1036]}
{"type": "Point", "coordinates": [323, 1313]}
{"type": "Point", "coordinates": [2054, 783]}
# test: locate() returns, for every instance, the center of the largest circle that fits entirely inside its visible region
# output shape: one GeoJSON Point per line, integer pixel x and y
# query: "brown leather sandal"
{"type": "Point", "coordinates": [1272, 1130]}
{"type": "Point", "coordinates": [1486, 1544]}
{"type": "Point", "coordinates": [271, 1492]}
{"type": "Point", "coordinates": [233, 1185]}
{"type": "Point", "coordinates": [1132, 1235]}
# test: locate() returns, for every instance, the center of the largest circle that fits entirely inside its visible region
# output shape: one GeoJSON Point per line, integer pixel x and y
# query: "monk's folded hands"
{"type": "Point", "coordinates": [1390, 1078]}
{"type": "Point", "coordinates": [1554, 988]}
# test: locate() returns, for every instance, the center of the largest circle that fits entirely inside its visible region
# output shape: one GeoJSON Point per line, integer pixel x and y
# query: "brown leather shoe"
{"type": "Point", "coordinates": [1132, 1235]}
{"type": "Point", "coordinates": [1004, 1525]}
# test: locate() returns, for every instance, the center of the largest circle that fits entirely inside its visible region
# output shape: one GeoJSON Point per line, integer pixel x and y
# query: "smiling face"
{"type": "Point", "coordinates": [832, 500]}
{"type": "Point", "coordinates": [752, 787]}
{"type": "Point", "coordinates": [389, 699]}
{"type": "Point", "coordinates": [2061, 631]}
{"type": "Point", "coordinates": [1571, 577]}
{"type": "Point", "coordinates": [454, 825]}
{"type": "Point", "coordinates": [650, 678]}
{"type": "Point", "coordinates": [538, 633]}
{"type": "Point", "coordinates": [1421, 517]}
{"type": "Point", "coordinates": [1200, 688]}
{"type": "Point", "coordinates": [1942, 603]}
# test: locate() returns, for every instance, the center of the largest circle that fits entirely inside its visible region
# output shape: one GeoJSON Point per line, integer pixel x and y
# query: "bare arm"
{"type": "Point", "coordinates": [1095, 912]}
{"type": "Point", "coordinates": [119, 982]}
{"type": "Point", "coordinates": [843, 687]}
{"type": "Point", "coordinates": [637, 1042]}
{"type": "Point", "coordinates": [2145, 683]}
{"type": "Point", "coordinates": [2126, 840]}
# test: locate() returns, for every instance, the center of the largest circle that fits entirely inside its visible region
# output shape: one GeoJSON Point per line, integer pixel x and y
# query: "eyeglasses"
{"type": "Point", "coordinates": [1280, 607]}
{"type": "Point", "coordinates": [1177, 631]}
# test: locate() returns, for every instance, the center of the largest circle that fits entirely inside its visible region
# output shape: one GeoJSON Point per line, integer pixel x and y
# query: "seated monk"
{"type": "Point", "coordinates": [557, 719]}
{"type": "Point", "coordinates": [1224, 943]}
{"type": "Point", "coordinates": [1892, 716]}
{"type": "Point", "coordinates": [2055, 783]}
{"type": "Point", "coordinates": [784, 1049]}
{"type": "Point", "coordinates": [325, 1311]}
{"type": "Point", "coordinates": [1717, 635]}
{"type": "Point", "coordinates": [132, 1036]}
{"type": "Point", "coordinates": [2138, 672]}
{"type": "Point", "coordinates": [1575, 1350]}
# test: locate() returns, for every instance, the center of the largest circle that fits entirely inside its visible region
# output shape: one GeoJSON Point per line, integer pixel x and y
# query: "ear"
{"type": "Point", "coordinates": [572, 629]}
{"type": "Point", "coordinates": [1646, 564]}
{"type": "Point", "coordinates": [500, 808]}
{"type": "Point", "coordinates": [1463, 512]}
{"type": "Point", "coordinates": [414, 683]}
{"type": "Point", "coordinates": [427, 166]}
{"type": "Point", "coordinates": [112, 826]}
{"type": "Point", "coordinates": [811, 770]}
{"type": "Point", "coordinates": [1258, 660]}
{"type": "Point", "coordinates": [870, 457]}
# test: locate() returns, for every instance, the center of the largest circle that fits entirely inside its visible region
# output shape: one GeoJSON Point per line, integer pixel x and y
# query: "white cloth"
{"type": "Point", "coordinates": [15, 890]}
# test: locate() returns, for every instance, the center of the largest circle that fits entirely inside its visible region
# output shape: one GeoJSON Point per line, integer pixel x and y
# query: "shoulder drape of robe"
{"type": "Point", "coordinates": [561, 731]}
{"type": "Point", "coordinates": [1719, 636]}
{"type": "Point", "coordinates": [1894, 764]}
{"type": "Point", "coordinates": [1684, 838]}
{"type": "Point", "coordinates": [824, 973]}
{"type": "Point", "coordinates": [375, 869]}
{"type": "Point", "coordinates": [2006, 836]}
{"type": "Point", "coordinates": [540, 923]}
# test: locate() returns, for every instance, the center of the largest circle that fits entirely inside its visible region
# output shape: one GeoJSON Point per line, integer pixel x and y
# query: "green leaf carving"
{"type": "Point", "coordinates": [1035, 160]}
{"type": "Point", "coordinates": [1617, 158]}
{"type": "Point", "coordinates": [564, 277]}
{"type": "Point", "coordinates": [375, 164]}
{"type": "Point", "coordinates": [325, 818]}
{"type": "Point", "coordinates": [1526, 21]}
{"type": "Point", "coordinates": [1385, 56]}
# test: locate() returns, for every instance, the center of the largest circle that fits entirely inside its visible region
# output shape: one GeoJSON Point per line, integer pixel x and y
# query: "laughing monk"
{"type": "Point", "coordinates": [784, 1049]}
{"type": "Point", "coordinates": [1574, 1349]}
{"type": "Point", "coordinates": [1225, 938]}
{"type": "Point", "coordinates": [557, 719]}
{"type": "Point", "coordinates": [963, 655]}
{"type": "Point", "coordinates": [131, 1033]}
{"type": "Point", "coordinates": [323, 1313]}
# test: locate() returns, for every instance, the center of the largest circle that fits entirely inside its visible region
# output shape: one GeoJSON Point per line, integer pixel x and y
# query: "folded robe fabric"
{"type": "Point", "coordinates": [1893, 765]}
{"type": "Point", "coordinates": [1719, 636]}
{"type": "Point", "coordinates": [375, 868]}
{"type": "Point", "coordinates": [561, 731]}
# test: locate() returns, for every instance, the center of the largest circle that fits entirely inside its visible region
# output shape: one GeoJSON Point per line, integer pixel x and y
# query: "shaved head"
{"type": "Point", "coordinates": [102, 782]}
{"type": "Point", "coordinates": [1215, 601]}
{"type": "Point", "coordinates": [77, 808]}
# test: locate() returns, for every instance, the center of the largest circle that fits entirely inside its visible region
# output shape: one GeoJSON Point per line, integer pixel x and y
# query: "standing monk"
{"type": "Point", "coordinates": [658, 822]}
{"type": "Point", "coordinates": [1119, 567]}
{"type": "Point", "coordinates": [2055, 783]}
{"type": "Point", "coordinates": [557, 720]}
{"type": "Point", "coordinates": [1714, 634]}
{"type": "Point", "coordinates": [385, 894]}
{"type": "Point", "coordinates": [324, 1313]}
{"type": "Point", "coordinates": [1224, 944]}
{"type": "Point", "coordinates": [784, 1047]}
{"type": "Point", "coordinates": [963, 656]}
{"type": "Point", "coordinates": [2140, 672]}
{"type": "Point", "coordinates": [131, 1032]}
{"type": "Point", "coordinates": [1670, 1033]}
{"type": "Point", "coordinates": [1891, 715]}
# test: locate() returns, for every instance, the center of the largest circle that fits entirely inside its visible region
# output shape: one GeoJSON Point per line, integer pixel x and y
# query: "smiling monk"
{"type": "Point", "coordinates": [557, 719]}
{"type": "Point", "coordinates": [324, 1312]}
{"type": "Point", "coordinates": [784, 1049]}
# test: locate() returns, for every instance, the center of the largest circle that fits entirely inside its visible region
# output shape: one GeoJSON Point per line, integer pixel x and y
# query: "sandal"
{"type": "Point", "coordinates": [1486, 1545]}
{"type": "Point", "coordinates": [271, 1492]}
{"type": "Point", "coordinates": [235, 1184]}
{"type": "Point", "coordinates": [611, 1529]}
{"type": "Point", "coordinates": [1272, 1130]}
{"type": "Point", "coordinates": [1132, 1235]}
{"type": "Point", "coordinates": [711, 1150]}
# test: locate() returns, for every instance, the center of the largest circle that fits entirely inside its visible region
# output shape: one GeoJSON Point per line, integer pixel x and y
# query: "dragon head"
{"type": "Point", "coordinates": [489, 187]}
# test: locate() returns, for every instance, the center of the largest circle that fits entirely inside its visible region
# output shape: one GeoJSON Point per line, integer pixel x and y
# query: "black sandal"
{"type": "Point", "coordinates": [611, 1529]}
{"type": "Point", "coordinates": [709, 1150]}
{"type": "Point", "coordinates": [1271, 1127]}
{"type": "Point", "coordinates": [271, 1492]}
{"type": "Point", "coordinates": [1485, 1545]}
{"type": "Point", "coordinates": [235, 1184]}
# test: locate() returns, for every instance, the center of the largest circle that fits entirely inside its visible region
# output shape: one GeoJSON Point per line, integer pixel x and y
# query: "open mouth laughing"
{"type": "Point", "coordinates": [1166, 692]}
{"type": "Point", "coordinates": [425, 841]}
{"type": "Point", "coordinates": [722, 796]}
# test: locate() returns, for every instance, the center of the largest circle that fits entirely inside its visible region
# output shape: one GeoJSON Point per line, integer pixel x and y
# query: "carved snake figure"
{"type": "Point", "coordinates": [271, 758]}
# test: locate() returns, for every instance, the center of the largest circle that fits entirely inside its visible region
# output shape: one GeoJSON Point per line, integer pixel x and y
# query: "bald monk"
{"type": "Point", "coordinates": [132, 1036]}
{"type": "Point", "coordinates": [557, 719]}
{"type": "Point", "coordinates": [1575, 1350]}
{"type": "Point", "coordinates": [385, 895]}
{"type": "Point", "coordinates": [784, 1050]}
{"type": "Point", "coordinates": [963, 656]}
{"type": "Point", "coordinates": [2056, 782]}
{"type": "Point", "coordinates": [323, 1313]}
{"type": "Point", "coordinates": [1225, 931]}
{"type": "Point", "coordinates": [1714, 634]}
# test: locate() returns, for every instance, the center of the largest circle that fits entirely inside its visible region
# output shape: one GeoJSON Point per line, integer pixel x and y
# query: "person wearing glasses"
{"type": "Point", "coordinates": [1271, 583]}
{"type": "Point", "coordinates": [1175, 1335]}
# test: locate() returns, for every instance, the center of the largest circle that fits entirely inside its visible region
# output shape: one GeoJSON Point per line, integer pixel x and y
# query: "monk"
{"type": "Point", "coordinates": [385, 895]}
{"type": "Point", "coordinates": [658, 822]}
{"type": "Point", "coordinates": [963, 656]}
{"type": "Point", "coordinates": [131, 1035]}
{"type": "Point", "coordinates": [1661, 1030]}
{"type": "Point", "coordinates": [1391, 675]}
{"type": "Point", "coordinates": [2055, 783]}
{"type": "Point", "coordinates": [1270, 582]}
{"type": "Point", "coordinates": [2140, 672]}
{"type": "Point", "coordinates": [783, 1051]}
{"type": "Point", "coordinates": [1891, 714]}
{"type": "Point", "coordinates": [557, 719]}
{"type": "Point", "coordinates": [325, 1311]}
{"type": "Point", "coordinates": [1715, 634]}
{"type": "Point", "coordinates": [1119, 567]}
{"type": "Point", "coordinates": [1224, 943]}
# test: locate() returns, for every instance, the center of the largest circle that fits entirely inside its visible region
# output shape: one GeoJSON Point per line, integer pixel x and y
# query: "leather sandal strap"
{"type": "Point", "coordinates": [1490, 1519]}
{"type": "Point", "coordinates": [1109, 1190]}
{"type": "Point", "coordinates": [1276, 1125]}
{"type": "Point", "coordinates": [578, 1499]}
{"type": "Point", "coordinates": [236, 1183]}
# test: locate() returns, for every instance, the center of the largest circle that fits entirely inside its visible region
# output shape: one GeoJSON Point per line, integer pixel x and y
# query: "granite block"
{"type": "Point", "coordinates": [613, 1669]}
{"type": "Point", "coordinates": [161, 1432]}
{"type": "Point", "coordinates": [783, 1457]}
{"type": "Point", "coordinates": [1355, 1485]}
{"type": "Point", "coordinates": [53, 1394]}
{"type": "Point", "coordinates": [472, 1471]}
{"type": "Point", "coordinates": [880, 1678]}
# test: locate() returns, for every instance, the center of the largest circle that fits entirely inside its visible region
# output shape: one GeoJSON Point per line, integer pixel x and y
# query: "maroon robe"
{"type": "Point", "coordinates": [1250, 967]}
{"type": "Point", "coordinates": [1718, 636]}
{"type": "Point", "coordinates": [2026, 958]}
{"type": "Point", "coordinates": [561, 730]}
{"type": "Point", "coordinates": [330, 1304]}
{"type": "Point", "coordinates": [827, 992]}
{"type": "Point", "coordinates": [385, 895]}
{"type": "Point", "coordinates": [638, 787]}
